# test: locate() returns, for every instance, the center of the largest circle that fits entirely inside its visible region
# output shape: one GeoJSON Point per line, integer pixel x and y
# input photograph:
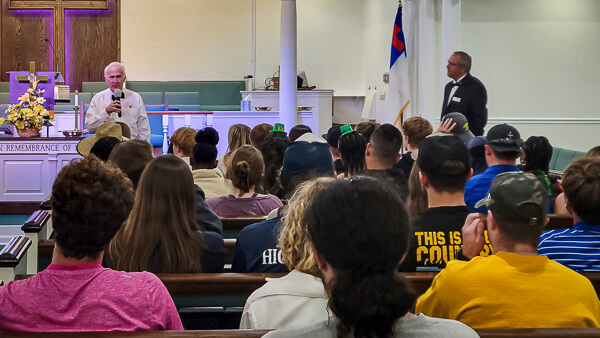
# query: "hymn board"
{"type": "Point", "coordinates": [58, 8]}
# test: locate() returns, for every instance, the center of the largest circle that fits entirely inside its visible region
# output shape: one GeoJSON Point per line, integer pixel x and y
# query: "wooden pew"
{"type": "Point", "coordinates": [539, 333]}
{"type": "Point", "coordinates": [36, 228]}
{"type": "Point", "coordinates": [149, 334]}
{"type": "Point", "coordinates": [558, 221]}
{"type": "Point", "coordinates": [239, 223]}
{"type": "Point", "coordinates": [13, 257]}
{"type": "Point", "coordinates": [233, 225]}
{"type": "Point", "coordinates": [483, 333]}
{"type": "Point", "coordinates": [46, 247]}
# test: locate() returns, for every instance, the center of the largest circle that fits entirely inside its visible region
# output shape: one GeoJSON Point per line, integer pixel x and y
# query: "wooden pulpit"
{"type": "Point", "coordinates": [21, 80]}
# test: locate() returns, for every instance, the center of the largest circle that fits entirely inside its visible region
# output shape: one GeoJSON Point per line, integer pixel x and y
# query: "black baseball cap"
{"type": "Point", "coordinates": [333, 136]}
{"type": "Point", "coordinates": [504, 138]}
{"type": "Point", "coordinates": [444, 156]}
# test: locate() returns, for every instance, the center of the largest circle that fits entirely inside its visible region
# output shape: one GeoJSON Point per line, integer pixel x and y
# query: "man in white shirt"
{"type": "Point", "coordinates": [129, 108]}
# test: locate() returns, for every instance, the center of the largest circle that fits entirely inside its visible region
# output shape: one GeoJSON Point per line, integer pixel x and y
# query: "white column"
{"type": "Point", "coordinates": [288, 59]}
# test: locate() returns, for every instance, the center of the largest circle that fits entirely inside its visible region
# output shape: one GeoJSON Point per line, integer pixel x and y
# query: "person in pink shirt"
{"type": "Point", "coordinates": [90, 201]}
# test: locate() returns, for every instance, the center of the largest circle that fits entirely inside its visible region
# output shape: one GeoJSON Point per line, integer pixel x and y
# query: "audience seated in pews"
{"type": "Point", "coordinates": [358, 243]}
{"type": "Point", "coordinates": [352, 146]}
{"type": "Point", "coordinates": [161, 234]}
{"type": "Point", "coordinates": [183, 144]}
{"type": "Point", "coordinates": [298, 130]}
{"type": "Point", "coordinates": [415, 129]}
{"type": "Point", "coordinates": [333, 138]}
{"type": "Point", "coordinates": [259, 133]}
{"type": "Point", "coordinates": [132, 157]}
{"type": "Point", "coordinates": [535, 159]}
{"type": "Point", "coordinates": [102, 143]}
{"type": "Point", "coordinates": [204, 170]}
{"type": "Point", "coordinates": [245, 172]}
{"type": "Point", "coordinates": [445, 168]}
{"type": "Point", "coordinates": [501, 152]}
{"type": "Point", "coordinates": [256, 245]}
{"type": "Point", "coordinates": [514, 287]}
{"type": "Point", "coordinates": [578, 248]}
{"type": "Point", "coordinates": [383, 151]}
{"type": "Point", "coordinates": [238, 135]}
{"type": "Point", "coordinates": [272, 151]}
{"type": "Point", "coordinates": [297, 299]}
{"type": "Point", "coordinates": [559, 204]}
{"type": "Point", "coordinates": [90, 200]}
{"type": "Point", "coordinates": [366, 129]}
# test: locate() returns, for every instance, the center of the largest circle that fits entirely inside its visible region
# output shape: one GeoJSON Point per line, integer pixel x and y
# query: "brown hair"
{"type": "Point", "coordinates": [132, 157]}
{"type": "Point", "coordinates": [581, 184]}
{"type": "Point", "coordinates": [83, 193]}
{"type": "Point", "coordinates": [366, 129]}
{"type": "Point", "coordinates": [184, 139]}
{"type": "Point", "coordinates": [416, 129]}
{"type": "Point", "coordinates": [417, 196]}
{"type": "Point", "coordinates": [246, 168]}
{"type": "Point", "coordinates": [594, 152]}
{"type": "Point", "coordinates": [259, 134]}
{"type": "Point", "coordinates": [238, 135]}
{"type": "Point", "coordinates": [160, 234]}
{"type": "Point", "coordinates": [294, 241]}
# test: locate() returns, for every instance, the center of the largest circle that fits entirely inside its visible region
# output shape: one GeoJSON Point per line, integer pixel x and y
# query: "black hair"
{"type": "Point", "coordinates": [90, 201]}
{"type": "Point", "coordinates": [352, 147]}
{"type": "Point", "coordinates": [352, 228]}
{"type": "Point", "coordinates": [386, 142]}
{"type": "Point", "coordinates": [205, 150]}
{"type": "Point", "coordinates": [273, 150]}
{"type": "Point", "coordinates": [506, 155]}
{"type": "Point", "coordinates": [299, 130]}
{"type": "Point", "coordinates": [103, 147]}
{"type": "Point", "coordinates": [449, 183]}
{"type": "Point", "coordinates": [538, 152]}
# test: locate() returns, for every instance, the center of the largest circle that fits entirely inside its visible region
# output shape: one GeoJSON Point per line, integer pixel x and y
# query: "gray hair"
{"type": "Point", "coordinates": [464, 62]}
{"type": "Point", "coordinates": [116, 63]}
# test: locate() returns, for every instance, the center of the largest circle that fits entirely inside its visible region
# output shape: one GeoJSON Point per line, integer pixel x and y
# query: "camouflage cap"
{"type": "Point", "coordinates": [517, 196]}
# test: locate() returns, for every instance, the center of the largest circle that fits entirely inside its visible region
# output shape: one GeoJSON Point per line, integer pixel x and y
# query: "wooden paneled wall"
{"type": "Point", "coordinates": [92, 41]}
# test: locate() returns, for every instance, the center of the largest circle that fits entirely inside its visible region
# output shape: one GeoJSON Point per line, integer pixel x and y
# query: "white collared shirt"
{"type": "Point", "coordinates": [454, 88]}
{"type": "Point", "coordinates": [133, 113]}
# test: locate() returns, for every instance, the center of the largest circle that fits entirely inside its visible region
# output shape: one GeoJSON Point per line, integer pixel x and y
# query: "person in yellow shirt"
{"type": "Point", "coordinates": [514, 287]}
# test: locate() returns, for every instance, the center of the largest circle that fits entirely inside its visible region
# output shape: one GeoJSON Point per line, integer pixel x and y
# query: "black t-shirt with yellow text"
{"type": "Point", "coordinates": [436, 238]}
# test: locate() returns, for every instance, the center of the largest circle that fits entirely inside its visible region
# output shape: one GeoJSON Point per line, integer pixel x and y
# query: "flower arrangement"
{"type": "Point", "coordinates": [29, 112]}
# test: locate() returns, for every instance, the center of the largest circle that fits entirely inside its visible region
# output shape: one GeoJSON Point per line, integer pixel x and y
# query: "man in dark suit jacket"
{"type": "Point", "coordinates": [465, 94]}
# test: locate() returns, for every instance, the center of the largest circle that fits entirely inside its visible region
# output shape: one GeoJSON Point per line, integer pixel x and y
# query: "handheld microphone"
{"type": "Point", "coordinates": [118, 95]}
{"type": "Point", "coordinates": [53, 55]}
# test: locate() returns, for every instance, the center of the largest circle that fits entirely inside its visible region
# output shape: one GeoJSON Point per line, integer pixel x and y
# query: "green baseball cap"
{"type": "Point", "coordinates": [517, 196]}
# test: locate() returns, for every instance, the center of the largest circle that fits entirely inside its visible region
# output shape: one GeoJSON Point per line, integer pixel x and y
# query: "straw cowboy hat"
{"type": "Point", "coordinates": [106, 129]}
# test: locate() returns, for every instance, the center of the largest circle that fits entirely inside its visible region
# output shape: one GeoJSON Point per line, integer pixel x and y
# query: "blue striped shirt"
{"type": "Point", "coordinates": [577, 248]}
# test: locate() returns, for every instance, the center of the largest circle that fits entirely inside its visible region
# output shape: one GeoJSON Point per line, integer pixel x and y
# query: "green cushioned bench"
{"type": "Point", "coordinates": [4, 87]}
{"type": "Point", "coordinates": [183, 95]}
{"type": "Point", "coordinates": [561, 158]}
{"type": "Point", "coordinates": [4, 97]}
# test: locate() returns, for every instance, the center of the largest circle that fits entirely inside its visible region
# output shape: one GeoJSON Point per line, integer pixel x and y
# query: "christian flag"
{"type": "Point", "coordinates": [399, 97]}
